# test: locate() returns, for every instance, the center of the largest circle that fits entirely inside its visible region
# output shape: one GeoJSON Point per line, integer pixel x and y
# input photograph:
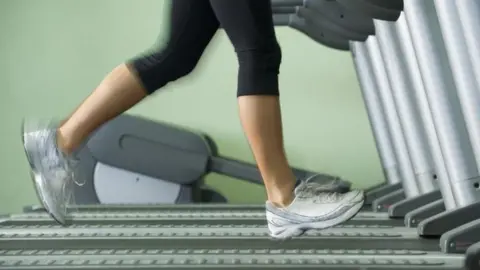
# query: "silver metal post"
{"type": "Point", "coordinates": [461, 66]}
{"type": "Point", "coordinates": [418, 88]}
{"type": "Point", "coordinates": [469, 15]}
{"type": "Point", "coordinates": [444, 103]}
{"type": "Point", "coordinates": [401, 92]}
{"type": "Point", "coordinates": [383, 86]}
{"type": "Point", "coordinates": [375, 112]}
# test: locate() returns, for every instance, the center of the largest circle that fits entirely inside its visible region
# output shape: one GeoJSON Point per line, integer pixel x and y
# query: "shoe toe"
{"type": "Point", "coordinates": [60, 218]}
{"type": "Point", "coordinates": [54, 209]}
{"type": "Point", "coordinates": [53, 202]}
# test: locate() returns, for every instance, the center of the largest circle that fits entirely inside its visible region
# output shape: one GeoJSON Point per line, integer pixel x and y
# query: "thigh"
{"type": "Point", "coordinates": [248, 23]}
{"type": "Point", "coordinates": [192, 25]}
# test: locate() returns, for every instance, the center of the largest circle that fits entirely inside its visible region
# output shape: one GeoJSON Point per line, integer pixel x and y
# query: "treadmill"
{"type": "Point", "coordinates": [433, 227]}
{"type": "Point", "coordinates": [428, 34]}
{"type": "Point", "coordinates": [190, 239]}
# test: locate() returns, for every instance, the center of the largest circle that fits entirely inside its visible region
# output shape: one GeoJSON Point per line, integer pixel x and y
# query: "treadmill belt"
{"type": "Point", "coordinates": [206, 207]}
{"type": "Point", "coordinates": [206, 237]}
{"type": "Point", "coordinates": [155, 207]}
{"type": "Point", "coordinates": [166, 237]}
{"type": "Point", "coordinates": [225, 259]}
{"type": "Point", "coordinates": [178, 218]}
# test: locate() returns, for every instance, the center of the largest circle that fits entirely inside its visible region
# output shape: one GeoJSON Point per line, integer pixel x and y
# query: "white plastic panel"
{"type": "Point", "coordinates": [117, 186]}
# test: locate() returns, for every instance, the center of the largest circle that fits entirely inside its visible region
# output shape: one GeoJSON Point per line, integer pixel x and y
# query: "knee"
{"type": "Point", "coordinates": [268, 58]}
{"type": "Point", "coordinates": [162, 66]}
{"type": "Point", "coordinates": [258, 71]}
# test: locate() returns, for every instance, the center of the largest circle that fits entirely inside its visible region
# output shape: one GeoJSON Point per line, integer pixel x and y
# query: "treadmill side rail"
{"type": "Point", "coordinates": [449, 220]}
{"type": "Point", "coordinates": [472, 257]}
{"type": "Point", "coordinates": [381, 191]}
{"type": "Point", "coordinates": [377, 12]}
{"type": "Point", "coordinates": [382, 204]}
{"type": "Point", "coordinates": [413, 218]}
{"type": "Point", "coordinates": [461, 238]}
{"type": "Point", "coordinates": [400, 209]}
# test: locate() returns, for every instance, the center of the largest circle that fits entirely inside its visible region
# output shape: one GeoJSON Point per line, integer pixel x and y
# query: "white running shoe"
{"type": "Point", "coordinates": [312, 208]}
{"type": "Point", "coordinates": [52, 171]}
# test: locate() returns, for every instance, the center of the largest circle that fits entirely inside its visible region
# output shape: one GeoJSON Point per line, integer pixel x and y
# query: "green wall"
{"type": "Point", "coordinates": [54, 52]}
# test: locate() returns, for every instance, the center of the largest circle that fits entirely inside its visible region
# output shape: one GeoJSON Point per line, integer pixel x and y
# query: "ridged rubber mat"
{"type": "Point", "coordinates": [206, 236]}
{"type": "Point", "coordinates": [144, 215]}
{"type": "Point", "coordinates": [370, 252]}
{"type": "Point", "coordinates": [228, 259]}
{"type": "Point", "coordinates": [171, 214]}
{"type": "Point", "coordinates": [172, 218]}
{"type": "Point", "coordinates": [194, 210]}
{"type": "Point", "coordinates": [186, 230]}
{"type": "Point", "coordinates": [157, 207]}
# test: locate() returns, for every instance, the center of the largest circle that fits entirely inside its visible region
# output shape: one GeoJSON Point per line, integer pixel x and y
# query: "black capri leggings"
{"type": "Point", "coordinates": [249, 26]}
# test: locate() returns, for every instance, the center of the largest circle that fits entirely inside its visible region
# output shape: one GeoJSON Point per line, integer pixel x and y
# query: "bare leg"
{"type": "Point", "coordinates": [48, 146]}
{"type": "Point", "coordinates": [262, 123]}
{"type": "Point", "coordinates": [290, 210]}
{"type": "Point", "coordinates": [118, 92]}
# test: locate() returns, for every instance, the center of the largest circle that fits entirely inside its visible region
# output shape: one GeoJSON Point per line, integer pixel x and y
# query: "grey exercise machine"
{"type": "Point", "coordinates": [450, 117]}
{"type": "Point", "coordinates": [407, 110]}
{"type": "Point", "coordinates": [442, 59]}
{"type": "Point", "coordinates": [400, 93]}
{"type": "Point", "coordinates": [146, 161]}
{"type": "Point", "coordinates": [463, 148]}
{"type": "Point", "coordinates": [405, 100]}
{"type": "Point", "coordinates": [451, 97]}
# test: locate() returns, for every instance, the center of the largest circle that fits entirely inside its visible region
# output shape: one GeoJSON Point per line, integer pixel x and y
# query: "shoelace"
{"type": "Point", "coordinates": [320, 196]}
{"type": "Point", "coordinates": [312, 188]}
{"type": "Point", "coordinates": [319, 183]}
{"type": "Point", "coordinates": [73, 164]}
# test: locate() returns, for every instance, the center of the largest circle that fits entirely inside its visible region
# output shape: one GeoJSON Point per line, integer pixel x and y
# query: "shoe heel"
{"type": "Point", "coordinates": [287, 233]}
{"type": "Point", "coordinates": [29, 144]}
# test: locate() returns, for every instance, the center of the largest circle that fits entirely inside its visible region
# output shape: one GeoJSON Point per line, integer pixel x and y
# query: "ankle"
{"type": "Point", "coordinates": [64, 143]}
{"type": "Point", "coordinates": [282, 202]}
{"type": "Point", "coordinates": [281, 197]}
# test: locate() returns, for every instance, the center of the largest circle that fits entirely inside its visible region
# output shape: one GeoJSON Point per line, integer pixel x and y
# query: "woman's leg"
{"type": "Point", "coordinates": [249, 25]}
{"type": "Point", "coordinates": [49, 147]}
